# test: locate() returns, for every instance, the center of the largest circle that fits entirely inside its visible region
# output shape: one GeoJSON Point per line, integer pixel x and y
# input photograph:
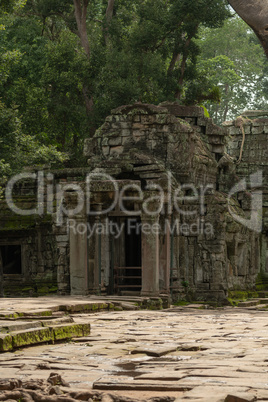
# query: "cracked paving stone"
{"type": "Point", "coordinates": [154, 351]}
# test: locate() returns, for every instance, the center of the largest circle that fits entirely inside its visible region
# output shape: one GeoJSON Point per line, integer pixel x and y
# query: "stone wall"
{"type": "Point", "coordinates": [142, 134]}
{"type": "Point", "coordinates": [207, 252]}
{"type": "Point", "coordinates": [254, 159]}
{"type": "Point", "coordinates": [146, 142]}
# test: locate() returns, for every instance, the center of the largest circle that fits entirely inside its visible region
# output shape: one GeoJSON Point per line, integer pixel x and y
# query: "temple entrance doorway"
{"type": "Point", "coordinates": [126, 271]}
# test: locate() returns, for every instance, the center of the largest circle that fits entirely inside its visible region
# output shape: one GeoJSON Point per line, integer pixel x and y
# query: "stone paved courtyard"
{"type": "Point", "coordinates": [176, 354]}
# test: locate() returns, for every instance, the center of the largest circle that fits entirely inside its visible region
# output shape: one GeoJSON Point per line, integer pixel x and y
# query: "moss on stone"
{"type": "Point", "coordinates": [42, 313]}
{"type": "Point", "coordinates": [118, 308]}
{"type": "Point", "coordinates": [70, 330]}
{"type": "Point", "coordinates": [238, 295]}
{"type": "Point", "coordinates": [53, 289]}
{"type": "Point", "coordinates": [10, 316]}
{"type": "Point", "coordinates": [253, 294]}
{"type": "Point", "coordinates": [154, 304]}
{"type": "Point", "coordinates": [31, 337]}
{"type": "Point", "coordinates": [232, 302]}
{"type": "Point", "coordinates": [5, 343]}
{"type": "Point", "coordinates": [181, 303]}
{"type": "Point", "coordinates": [103, 306]}
{"type": "Point", "coordinates": [27, 289]}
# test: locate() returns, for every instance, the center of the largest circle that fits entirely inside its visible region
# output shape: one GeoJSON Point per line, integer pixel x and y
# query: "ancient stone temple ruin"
{"type": "Point", "coordinates": [170, 204]}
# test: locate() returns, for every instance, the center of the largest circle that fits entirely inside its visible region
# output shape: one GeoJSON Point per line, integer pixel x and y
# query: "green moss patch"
{"type": "Point", "coordinates": [31, 337]}
{"type": "Point", "coordinates": [9, 316]}
{"type": "Point", "coordinates": [67, 331]}
{"type": "Point", "coordinates": [238, 295]}
{"type": "Point", "coordinates": [181, 303]}
{"type": "Point", "coordinates": [5, 343]}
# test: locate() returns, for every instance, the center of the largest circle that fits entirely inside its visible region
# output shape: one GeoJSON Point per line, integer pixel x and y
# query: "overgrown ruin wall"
{"type": "Point", "coordinates": [254, 154]}
{"type": "Point", "coordinates": [170, 146]}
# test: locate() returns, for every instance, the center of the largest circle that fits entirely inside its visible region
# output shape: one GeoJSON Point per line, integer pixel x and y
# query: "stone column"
{"type": "Point", "coordinates": [97, 257]}
{"type": "Point", "coordinates": [150, 256]}
{"type": "Point", "coordinates": [166, 254]}
{"type": "Point", "coordinates": [92, 258]}
{"type": "Point", "coordinates": [79, 258]}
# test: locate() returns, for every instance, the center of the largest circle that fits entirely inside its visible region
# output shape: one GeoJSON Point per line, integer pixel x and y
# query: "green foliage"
{"type": "Point", "coordinates": [54, 93]}
{"type": "Point", "coordinates": [18, 149]}
{"type": "Point", "coordinates": [206, 114]}
{"type": "Point", "coordinates": [262, 89]}
{"type": "Point", "coordinates": [185, 284]}
{"type": "Point", "coordinates": [64, 75]}
{"type": "Point", "coordinates": [233, 60]}
{"type": "Point", "coordinates": [7, 6]}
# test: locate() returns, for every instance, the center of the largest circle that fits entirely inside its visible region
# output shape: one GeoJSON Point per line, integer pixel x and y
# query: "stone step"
{"type": "Point", "coordinates": [249, 303]}
{"type": "Point", "coordinates": [33, 336]}
{"type": "Point", "coordinates": [68, 331]}
{"type": "Point", "coordinates": [56, 315]}
{"type": "Point", "coordinates": [112, 383]}
{"type": "Point", "coordinates": [57, 310]}
{"type": "Point", "coordinates": [57, 321]}
{"type": "Point", "coordinates": [6, 327]}
{"type": "Point", "coordinates": [262, 307]}
{"type": "Point", "coordinates": [263, 294]}
{"type": "Point", "coordinates": [16, 315]}
{"type": "Point", "coordinates": [129, 306]}
{"type": "Point", "coordinates": [86, 307]}
{"type": "Point", "coordinates": [136, 300]}
{"type": "Point", "coordinates": [264, 301]}
{"type": "Point", "coordinates": [7, 315]}
{"type": "Point", "coordinates": [5, 342]}
{"type": "Point", "coordinates": [39, 313]}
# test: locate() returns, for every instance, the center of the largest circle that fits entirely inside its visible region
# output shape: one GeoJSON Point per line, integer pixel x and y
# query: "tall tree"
{"type": "Point", "coordinates": [235, 61]}
{"type": "Point", "coordinates": [78, 59]}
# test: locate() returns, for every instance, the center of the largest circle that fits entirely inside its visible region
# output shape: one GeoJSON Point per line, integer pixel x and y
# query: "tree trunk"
{"type": "Point", "coordinates": [89, 102]}
{"type": "Point", "coordinates": [81, 21]}
{"type": "Point", "coordinates": [216, 115]}
{"type": "Point", "coordinates": [183, 66]}
{"type": "Point", "coordinates": [109, 16]}
{"type": "Point", "coordinates": [254, 13]}
{"type": "Point", "coordinates": [226, 108]}
{"type": "Point", "coordinates": [175, 60]}
{"type": "Point", "coordinates": [184, 60]}
{"type": "Point", "coordinates": [110, 10]}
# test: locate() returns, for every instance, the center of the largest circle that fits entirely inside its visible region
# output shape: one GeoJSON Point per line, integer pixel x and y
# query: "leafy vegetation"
{"type": "Point", "coordinates": [64, 64]}
{"type": "Point", "coordinates": [236, 64]}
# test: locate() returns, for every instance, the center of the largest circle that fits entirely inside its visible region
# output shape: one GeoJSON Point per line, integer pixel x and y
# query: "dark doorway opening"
{"type": "Point", "coordinates": [126, 257]}
{"type": "Point", "coordinates": [11, 259]}
{"type": "Point", "coordinates": [133, 242]}
{"type": "Point", "coordinates": [133, 254]}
